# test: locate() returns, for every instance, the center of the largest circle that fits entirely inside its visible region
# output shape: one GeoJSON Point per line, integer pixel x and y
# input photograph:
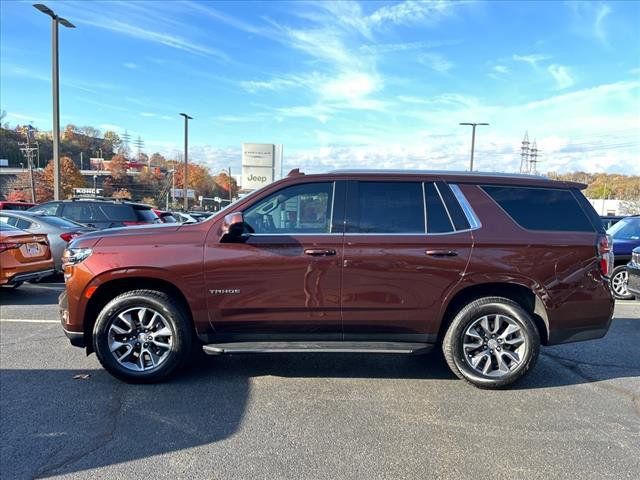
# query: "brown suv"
{"type": "Point", "coordinates": [490, 266]}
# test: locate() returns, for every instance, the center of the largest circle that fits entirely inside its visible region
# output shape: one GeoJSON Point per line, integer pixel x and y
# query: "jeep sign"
{"type": "Point", "coordinates": [260, 164]}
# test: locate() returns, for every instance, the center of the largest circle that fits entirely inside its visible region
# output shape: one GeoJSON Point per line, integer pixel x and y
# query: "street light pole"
{"type": "Point", "coordinates": [473, 140]}
{"type": "Point", "coordinates": [55, 74]}
{"type": "Point", "coordinates": [186, 158]}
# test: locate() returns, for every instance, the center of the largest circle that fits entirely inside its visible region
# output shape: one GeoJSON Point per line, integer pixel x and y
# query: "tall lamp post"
{"type": "Point", "coordinates": [186, 158]}
{"type": "Point", "coordinates": [55, 20]}
{"type": "Point", "coordinates": [473, 140]}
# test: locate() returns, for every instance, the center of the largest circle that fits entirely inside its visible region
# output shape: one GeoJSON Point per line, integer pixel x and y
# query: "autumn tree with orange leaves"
{"type": "Point", "coordinates": [70, 178]}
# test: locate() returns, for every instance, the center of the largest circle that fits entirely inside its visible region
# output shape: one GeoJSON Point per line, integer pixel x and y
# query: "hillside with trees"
{"type": "Point", "coordinates": [143, 178]}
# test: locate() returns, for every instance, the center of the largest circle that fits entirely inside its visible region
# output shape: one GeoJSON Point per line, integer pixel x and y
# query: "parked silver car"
{"type": "Point", "coordinates": [58, 230]}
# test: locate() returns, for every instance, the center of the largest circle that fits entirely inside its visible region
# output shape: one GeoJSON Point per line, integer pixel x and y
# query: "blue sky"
{"type": "Point", "coordinates": [341, 84]}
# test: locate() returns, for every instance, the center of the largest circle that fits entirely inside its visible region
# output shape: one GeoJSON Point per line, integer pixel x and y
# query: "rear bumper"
{"type": "Point", "coordinates": [25, 277]}
{"type": "Point", "coordinates": [76, 338]}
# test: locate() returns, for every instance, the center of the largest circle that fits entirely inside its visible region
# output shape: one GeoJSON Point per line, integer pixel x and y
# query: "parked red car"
{"type": "Point", "coordinates": [489, 266]}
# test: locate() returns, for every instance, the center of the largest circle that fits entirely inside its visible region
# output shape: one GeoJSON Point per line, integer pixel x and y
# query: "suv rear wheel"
{"type": "Point", "coordinates": [142, 336]}
{"type": "Point", "coordinates": [491, 343]}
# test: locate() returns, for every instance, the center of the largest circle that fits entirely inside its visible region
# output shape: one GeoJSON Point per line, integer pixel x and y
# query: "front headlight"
{"type": "Point", "coordinates": [73, 256]}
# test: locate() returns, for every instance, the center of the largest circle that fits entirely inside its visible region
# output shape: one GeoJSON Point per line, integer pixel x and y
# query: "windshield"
{"type": "Point", "coordinates": [627, 228]}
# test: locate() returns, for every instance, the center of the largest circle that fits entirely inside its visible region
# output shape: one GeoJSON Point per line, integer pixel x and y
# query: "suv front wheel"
{"type": "Point", "coordinates": [142, 336]}
{"type": "Point", "coordinates": [491, 343]}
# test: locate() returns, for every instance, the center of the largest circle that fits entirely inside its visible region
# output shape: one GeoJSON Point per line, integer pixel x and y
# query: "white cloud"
{"type": "Point", "coordinates": [436, 61]}
{"type": "Point", "coordinates": [562, 76]}
{"type": "Point", "coordinates": [588, 19]}
{"type": "Point", "coordinates": [110, 126]}
{"type": "Point", "coordinates": [350, 86]}
{"type": "Point", "coordinates": [532, 59]}
{"type": "Point", "coordinates": [159, 26]}
{"type": "Point", "coordinates": [412, 12]}
{"type": "Point", "coordinates": [130, 65]}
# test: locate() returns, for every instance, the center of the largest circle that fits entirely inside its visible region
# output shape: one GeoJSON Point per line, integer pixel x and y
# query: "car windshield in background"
{"type": "Point", "coordinates": [627, 228]}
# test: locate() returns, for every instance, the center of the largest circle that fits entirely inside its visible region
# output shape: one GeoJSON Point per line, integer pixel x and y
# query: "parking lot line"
{"type": "Point", "coordinates": [26, 320]}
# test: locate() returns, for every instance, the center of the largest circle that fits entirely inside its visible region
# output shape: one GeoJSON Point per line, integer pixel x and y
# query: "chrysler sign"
{"type": "Point", "coordinates": [260, 164]}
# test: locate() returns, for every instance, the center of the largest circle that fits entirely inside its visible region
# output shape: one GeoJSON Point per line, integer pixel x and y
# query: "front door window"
{"type": "Point", "coordinates": [304, 208]}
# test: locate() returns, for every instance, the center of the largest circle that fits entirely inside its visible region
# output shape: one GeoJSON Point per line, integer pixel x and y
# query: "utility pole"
{"type": "Point", "coordinates": [473, 140]}
{"type": "Point", "coordinates": [186, 158]}
{"type": "Point", "coordinates": [28, 151]}
{"type": "Point", "coordinates": [55, 74]}
{"type": "Point", "coordinates": [230, 193]}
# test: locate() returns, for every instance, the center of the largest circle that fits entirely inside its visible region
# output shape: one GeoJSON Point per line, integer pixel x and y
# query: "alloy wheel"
{"type": "Point", "coordinates": [140, 339]}
{"type": "Point", "coordinates": [494, 345]}
{"type": "Point", "coordinates": [619, 283]}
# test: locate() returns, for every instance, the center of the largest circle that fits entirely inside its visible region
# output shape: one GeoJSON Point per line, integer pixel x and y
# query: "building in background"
{"type": "Point", "coordinates": [612, 207]}
{"type": "Point", "coordinates": [261, 165]}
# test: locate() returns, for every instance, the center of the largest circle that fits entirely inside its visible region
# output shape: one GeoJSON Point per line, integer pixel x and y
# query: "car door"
{"type": "Point", "coordinates": [400, 259]}
{"type": "Point", "coordinates": [283, 282]}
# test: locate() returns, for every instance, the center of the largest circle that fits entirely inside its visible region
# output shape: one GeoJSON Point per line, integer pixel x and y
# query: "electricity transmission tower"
{"type": "Point", "coordinates": [139, 143]}
{"type": "Point", "coordinates": [533, 159]}
{"type": "Point", "coordinates": [524, 154]}
{"type": "Point", "coordinates": [126, 138]}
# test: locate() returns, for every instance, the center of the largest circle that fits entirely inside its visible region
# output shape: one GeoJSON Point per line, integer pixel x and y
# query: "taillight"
{"type": "Point", "coordinates": [68, 236]}
{"type": "Point", "coordinates": [605, 254]}
{"type": "Point", "coordinates": [4, 246]}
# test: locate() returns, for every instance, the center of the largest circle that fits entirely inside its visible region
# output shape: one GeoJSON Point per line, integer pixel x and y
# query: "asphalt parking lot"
{"type": "Point", "coordinates": [312, 416]}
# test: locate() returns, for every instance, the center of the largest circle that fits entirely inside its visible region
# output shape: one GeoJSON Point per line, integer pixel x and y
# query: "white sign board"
{"type": "Point", "coordinates": [261, 164]}
{"type": "Point", "coordinates": [179, 193]}
{"type": "Point", "coordinates": [87, 191]}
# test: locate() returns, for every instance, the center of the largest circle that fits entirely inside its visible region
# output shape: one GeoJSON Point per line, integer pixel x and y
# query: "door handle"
{"type": "Point", "coordinates": [319, 252]}
{"type": "Point", "coordinates": [441, 253]}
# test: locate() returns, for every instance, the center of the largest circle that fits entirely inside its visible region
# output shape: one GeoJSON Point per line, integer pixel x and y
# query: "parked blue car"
{"type": "Point", "coordinates": [626, 237]}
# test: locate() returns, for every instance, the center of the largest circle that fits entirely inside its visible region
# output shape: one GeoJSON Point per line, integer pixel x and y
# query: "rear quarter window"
{"type": "Point", "coordinates": [118, 212]}
{"type": "Point", "coordinates": [536, 208]}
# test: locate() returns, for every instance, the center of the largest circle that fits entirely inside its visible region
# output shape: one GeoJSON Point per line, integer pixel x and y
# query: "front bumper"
{"type": "Point", "coordinates": [76, 338]}
{"type": "Point", "coordinates": [633, 283]}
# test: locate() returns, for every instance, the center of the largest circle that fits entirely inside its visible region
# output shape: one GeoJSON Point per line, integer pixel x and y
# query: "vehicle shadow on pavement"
{"type": "Point", "coordinates": [613, 357]}
{"type": "Point", "coordinates": [54, 424]}
{"type": "Point", "coordinates": [28, 295]}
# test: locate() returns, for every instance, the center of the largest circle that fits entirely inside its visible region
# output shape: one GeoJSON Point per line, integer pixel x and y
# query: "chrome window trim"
{"type": "Point", "coordinates": [472, 218]}
{"type": "Point", "coordinates": [444, 204]}
{"type": "Point", "coordinates": [293, 234]}
{"type": "Point", "coordinates": [424, 207]}
{"type": "Point", "coordinates": [333, 202]}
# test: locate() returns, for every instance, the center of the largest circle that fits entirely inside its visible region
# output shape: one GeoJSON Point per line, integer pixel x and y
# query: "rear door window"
{"type": "Point", "coordinates": [83, 212]}
{"type": "Point", "coordinates": [386, 207]}
{"type": "Point", "coordinates": [538, 208]}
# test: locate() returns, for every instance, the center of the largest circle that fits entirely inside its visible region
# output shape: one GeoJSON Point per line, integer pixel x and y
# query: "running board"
{"type": "Point", "coordinates": [316, 347]}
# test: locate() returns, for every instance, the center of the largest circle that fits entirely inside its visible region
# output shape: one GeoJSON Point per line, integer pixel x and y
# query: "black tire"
{"type": "Point", "coordinates": [177, 322]}
{"type": "Point", "coordinates": [452, 344]}
{"type": "Point", "coordinates": [618, 294]}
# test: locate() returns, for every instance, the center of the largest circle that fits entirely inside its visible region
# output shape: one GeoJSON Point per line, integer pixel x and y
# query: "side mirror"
{"type": "Point", "coordinates": [234, 229]}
